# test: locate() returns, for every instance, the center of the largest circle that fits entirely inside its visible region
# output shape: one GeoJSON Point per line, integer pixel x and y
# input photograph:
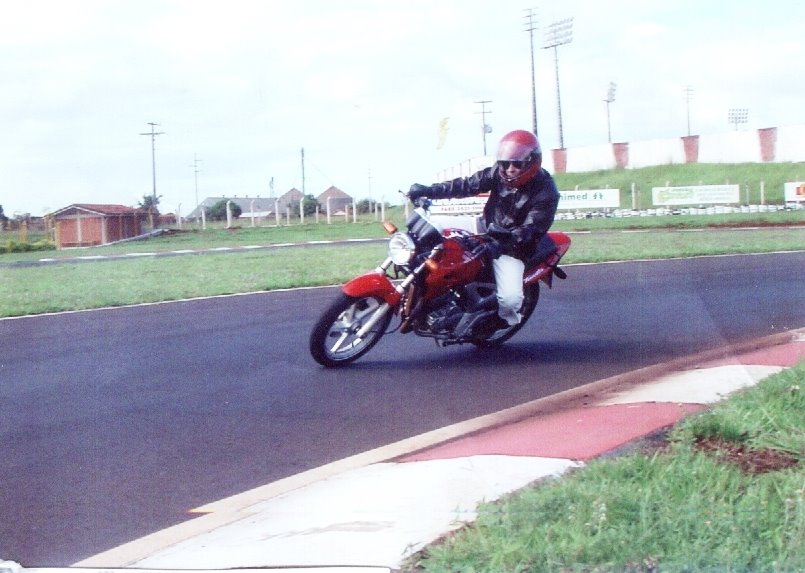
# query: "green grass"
{"type": "Point", "coordinates": [52, 288]}
{"type": "Point", "coordinates": [73, 286]}
{"type": "Point", "coordinates": [674, 509]}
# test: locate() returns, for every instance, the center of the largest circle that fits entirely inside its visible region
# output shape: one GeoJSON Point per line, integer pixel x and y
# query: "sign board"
{"type": "Point", "coordinates": [590, 199]}
{"type": "Point", "coordinates": [464, 206]}
{"type": "Point", "coordinates": [795, 191]}
{"type": "Point", "coordinates": [696, 194]}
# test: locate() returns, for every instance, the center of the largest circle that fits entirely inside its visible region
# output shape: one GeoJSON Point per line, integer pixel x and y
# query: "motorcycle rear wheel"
{"type": "Point", "coordinates": [333, 340]}
{"type": "Point", "coordinates": [531, 297]}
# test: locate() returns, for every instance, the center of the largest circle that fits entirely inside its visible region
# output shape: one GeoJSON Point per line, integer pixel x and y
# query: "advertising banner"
{"type": "Point", "coordinates": [696, 195]}
{"type": "Point", "coordinates": [590, 199]}
{"type": "Point", "coordinates": [463, 206]}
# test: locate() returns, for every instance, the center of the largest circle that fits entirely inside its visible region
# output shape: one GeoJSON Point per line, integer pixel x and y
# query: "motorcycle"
{"type": "Point", "coordinates": [443, 288]}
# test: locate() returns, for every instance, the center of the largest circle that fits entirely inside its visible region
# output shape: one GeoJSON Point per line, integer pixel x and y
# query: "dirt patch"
{"type": "Point", "coordinates": [751, 461]}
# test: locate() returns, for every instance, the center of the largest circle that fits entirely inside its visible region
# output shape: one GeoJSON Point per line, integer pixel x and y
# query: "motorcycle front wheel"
{"type": "Point", "coordinates": [531, 297]}
{"type": "Point", "coordinates": [334, 340]}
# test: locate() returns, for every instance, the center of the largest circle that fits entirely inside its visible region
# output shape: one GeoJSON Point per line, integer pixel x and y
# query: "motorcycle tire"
{"type": "Point", "coordinates": [333, 341]}
{"type": "Point", "coordinates": [531, 297]}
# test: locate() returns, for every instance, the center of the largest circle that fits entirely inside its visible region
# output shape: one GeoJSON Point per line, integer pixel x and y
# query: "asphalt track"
{"type": "Point", "coordinates": [116, 423]}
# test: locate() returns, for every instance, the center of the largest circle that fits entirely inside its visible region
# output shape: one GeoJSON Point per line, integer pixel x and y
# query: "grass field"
{"type": "Point", "coordinates": [70, 286]}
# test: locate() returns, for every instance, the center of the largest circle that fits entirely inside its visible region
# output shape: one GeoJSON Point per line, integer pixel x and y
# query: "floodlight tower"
{"type": "Point", "coordinates": [610, 98]}
{"type": "Point", "coordinates": [530, 26]}
{"type": "Point", "coordinates": [558, 34]}
{"type": "Point", "coordinates": [737, 115]}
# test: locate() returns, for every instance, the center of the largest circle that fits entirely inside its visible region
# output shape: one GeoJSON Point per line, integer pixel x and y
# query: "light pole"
{"type": "Point", "coordinates": [609, 100]}
{"type": "Point", "coordinates": [737, 115]}
{"type": "Point", "coordinates": [558, 34]}
{"type": "Point", "coordinates": [153, 135]}
{"type": "Point", "coordinates": [530, 27]}
{"type": "Point", "coordinates": [486, 127]}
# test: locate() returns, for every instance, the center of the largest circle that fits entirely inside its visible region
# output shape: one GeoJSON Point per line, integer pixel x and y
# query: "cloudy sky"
{"type": "Point", "coordinates": [240, 87]}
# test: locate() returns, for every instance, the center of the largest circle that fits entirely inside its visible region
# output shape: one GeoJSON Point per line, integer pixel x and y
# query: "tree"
{"type": "Point", "coordinates": [150, 202]}
{"type": "Point", "coordinates": [309, 203]}
{"type": "Point", "coordinates": [364, 206]}
{"type": "Point", "coordinates": [218, 211]}
{"type": "Point", "coordinates": [3, 218]}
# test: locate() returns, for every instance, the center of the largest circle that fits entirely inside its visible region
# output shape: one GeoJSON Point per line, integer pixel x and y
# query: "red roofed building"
{"type": "Point", "coordinates": [87, 225]}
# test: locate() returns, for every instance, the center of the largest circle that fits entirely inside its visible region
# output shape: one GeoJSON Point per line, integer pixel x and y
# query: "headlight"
{"type": "Point", "coordinates": [401, 248]}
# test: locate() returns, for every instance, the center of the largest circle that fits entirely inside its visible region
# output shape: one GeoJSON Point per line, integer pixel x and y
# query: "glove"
{"type": "Point", "coordinates": [418, 191]}
{"type": "Point", "coordinates": [490, 249]}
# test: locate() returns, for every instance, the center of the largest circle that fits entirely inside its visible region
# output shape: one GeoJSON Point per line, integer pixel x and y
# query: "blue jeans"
{"type": "Point", "coordinates": [509, 281]}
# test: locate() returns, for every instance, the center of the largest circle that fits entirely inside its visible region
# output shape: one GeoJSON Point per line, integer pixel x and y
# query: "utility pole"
{"type": "Point", "coordinates": [688, 96]}
{"type": "Point", "coordinates": [153, 135]}
{"type": "Point", "coordinates": [195, 176]}
{"type": "Point", "coordinates": [530, 27]}
{"type": "Point", "coordinates": [486, 127]}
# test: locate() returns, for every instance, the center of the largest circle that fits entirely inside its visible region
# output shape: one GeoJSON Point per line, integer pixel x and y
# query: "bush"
{"type": "Point", "coordinates": [25, 247]}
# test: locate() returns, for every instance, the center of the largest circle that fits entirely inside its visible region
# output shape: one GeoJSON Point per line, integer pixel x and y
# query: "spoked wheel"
{"type": "Point", "coordinates": [335, 339]}
{"type": "Point", "coordinates": [531, 297]}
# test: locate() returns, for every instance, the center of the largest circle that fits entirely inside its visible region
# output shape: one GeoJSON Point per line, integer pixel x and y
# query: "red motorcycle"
{"type": "Point", "coordinates": [446, 292]}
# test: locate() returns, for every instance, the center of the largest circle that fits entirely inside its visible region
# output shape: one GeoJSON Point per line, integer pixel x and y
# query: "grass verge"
{"type": "Point", "coordinates": [692, 505]}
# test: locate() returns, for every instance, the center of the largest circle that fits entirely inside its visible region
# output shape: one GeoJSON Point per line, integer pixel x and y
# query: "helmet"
{"type": "Point", "coordinates": [522, 146]}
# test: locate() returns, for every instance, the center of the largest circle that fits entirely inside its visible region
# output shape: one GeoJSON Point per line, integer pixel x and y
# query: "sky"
{"type": "Point", "coordinates": [378, 94]}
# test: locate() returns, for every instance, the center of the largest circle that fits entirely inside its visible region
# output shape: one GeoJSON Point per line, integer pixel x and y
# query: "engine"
{"type": "Point", "coordinates": [446, 315]}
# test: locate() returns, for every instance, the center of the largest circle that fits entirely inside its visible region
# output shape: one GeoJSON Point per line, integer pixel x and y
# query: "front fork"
{"type": "Point", "coordinates": [377, 283]}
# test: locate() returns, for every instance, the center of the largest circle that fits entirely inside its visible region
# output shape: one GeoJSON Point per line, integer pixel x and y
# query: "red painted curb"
{"type": "Point", "coordinates": [578, 434]}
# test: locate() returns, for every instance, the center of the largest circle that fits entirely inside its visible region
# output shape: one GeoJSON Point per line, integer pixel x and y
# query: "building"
{"type": "Point", "coordinates": [288, 199]}
{"type": "Point", "coordinates": [338, 199]}
{"type": "Point", "coordinates": [87, 225]}
{"type": "Point", "coordinates": [262, 207]}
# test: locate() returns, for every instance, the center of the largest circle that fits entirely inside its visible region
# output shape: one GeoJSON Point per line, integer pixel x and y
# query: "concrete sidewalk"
{"type": "Point", "coordinates": [368, 514]}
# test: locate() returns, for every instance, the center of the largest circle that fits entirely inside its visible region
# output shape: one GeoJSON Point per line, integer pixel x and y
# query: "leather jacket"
{"type": "Point", "coordinates": [528, 211]}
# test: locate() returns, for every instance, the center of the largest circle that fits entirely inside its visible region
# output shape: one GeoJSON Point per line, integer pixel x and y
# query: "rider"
{"type": "Point", "coordinates": [522, 199]}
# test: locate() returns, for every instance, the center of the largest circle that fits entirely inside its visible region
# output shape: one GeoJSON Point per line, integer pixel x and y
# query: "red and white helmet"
{"type": "Point", "coordinates": [520, 147]}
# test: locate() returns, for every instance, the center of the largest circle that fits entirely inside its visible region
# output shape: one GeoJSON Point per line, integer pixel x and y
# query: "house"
{"type": "Point", "coordinates": [337, 198]}
{"type": "Point", "coordinates": [87, 225]}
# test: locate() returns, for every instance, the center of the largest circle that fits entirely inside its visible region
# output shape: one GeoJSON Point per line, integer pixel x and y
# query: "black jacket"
{"type": "Point", "coordinates": [528, 211]}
